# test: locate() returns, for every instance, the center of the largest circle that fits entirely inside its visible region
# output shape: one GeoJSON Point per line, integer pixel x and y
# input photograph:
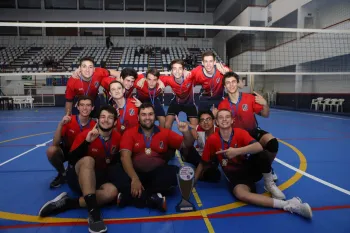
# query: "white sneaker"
{"type": "Point", "coordinates": [274, 175]}
{"type": "Point", "coordinates": [296, 206]}
{"type": "Point", "coordinates": [272, 188]}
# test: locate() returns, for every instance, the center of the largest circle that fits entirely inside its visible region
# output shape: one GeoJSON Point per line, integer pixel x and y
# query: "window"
{"type": "Point", "coordinates": [195, 6]}
{"type": "Point", "coordinates": [175, 5]}
{"type": "Point", "coordinates": [61, 31]}
{"type": "Point", "coordinates": [114, 31]}
{"type": "Point", "coordinates": [155, 5]}
{"type": "Point", "coordinates": [134, 31]}
{"type": "Point", "coordinates": [29, 4]}
{"type": "Point", "coordinates": [91, 4]}
{"type": "Point", "coordinates": [91, 31]}
{"type": "Point", "coordinates": [114, 4]}
{"type": "Point", "coordinates": [7, 4]}
{"type": "Point", "coordinates": [60, 4]}
{"type": "Point", "coordinates": [30, 31]}
{"type": "Point", "coordinates": [134, 5]}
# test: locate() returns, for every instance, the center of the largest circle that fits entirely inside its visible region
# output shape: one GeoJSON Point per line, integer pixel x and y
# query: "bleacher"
{"type": "Point", "coordinates": [66, 58]}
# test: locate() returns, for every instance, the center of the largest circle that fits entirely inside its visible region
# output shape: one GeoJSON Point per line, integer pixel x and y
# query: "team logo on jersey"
{"type": "Point", "coordinates": [224, 162]}
{"type": "Point", "coordinates": [97, 84]}
{"type": "Point", "coordinates": [114, 150]}
{"type": "Point", "coordinates": [131, 112]}
{"type": "Point", "coordinates": [245, 107]}
{"type": "Point", "coordinates": [218, 80]}
{"type": "Point", "coordinates": [161, 145]}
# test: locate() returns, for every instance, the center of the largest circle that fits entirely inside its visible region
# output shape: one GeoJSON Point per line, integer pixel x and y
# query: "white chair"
{"type": "Point", "coordinates": [314, 102]}
{"type": "Point", "coordinates": [332, 104]}
{"type": "Point", "coordinates": [29, 100]}
{"type": "Point", "coordinates": [340, 104]}
{"type": "Point", "coordinates": [325, 103]}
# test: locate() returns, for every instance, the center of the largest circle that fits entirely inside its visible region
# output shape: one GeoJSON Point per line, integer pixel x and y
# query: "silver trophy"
{"type": "Point", "coordinates": [185, 180]}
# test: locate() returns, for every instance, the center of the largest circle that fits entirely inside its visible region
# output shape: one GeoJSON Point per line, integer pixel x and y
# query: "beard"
{"type": "Point", "coordinates": [147, 127]}
{"type": "Point", "coordinates": [105, 129]}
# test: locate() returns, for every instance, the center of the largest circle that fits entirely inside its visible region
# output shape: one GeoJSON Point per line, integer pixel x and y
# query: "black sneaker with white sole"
{"type": "Point", "coordinates": [55, 206]}
{"type": "Point", "coordinates": [157, 201]}
{"type": "Point", "coordinates": [58, 181]}
{"type": "Point", "coordinates": [96, 224]}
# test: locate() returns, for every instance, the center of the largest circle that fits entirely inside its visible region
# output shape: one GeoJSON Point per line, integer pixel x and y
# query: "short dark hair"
{"type": "Point", "coordinates": [109, 109]}
{"type": "Point", "coordinates": [230, 74]}
{"type": "Point", "coordinates": [153, 71]}
{"type": "Point", "coordinates": [86, 59]}
{"type": "Point", "coordinates": [210, 113]}
{"type": "Point", "coordinates": [177, 61]}
{"type": "Point", "coordinates": [85, 97]}
{"type": "Point", "coordinates": [208, 53]}
{"type": "Point", "coordinates": [128, 72]}
{"type": "Point", "coordinates": [115, 81]}
{"type": "Point", "coordinates": [146, 105]}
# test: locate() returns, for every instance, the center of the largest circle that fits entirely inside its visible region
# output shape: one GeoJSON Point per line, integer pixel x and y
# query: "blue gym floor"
{"type": "Point", "coordinates": [313, 163]}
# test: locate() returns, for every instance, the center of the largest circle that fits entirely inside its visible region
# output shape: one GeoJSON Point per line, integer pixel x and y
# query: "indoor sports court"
{"type": "Point", "coordinates": [296, 54]}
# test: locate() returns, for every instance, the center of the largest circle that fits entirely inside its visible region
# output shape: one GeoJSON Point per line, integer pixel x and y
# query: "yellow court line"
{"type": "Point", "coordinates": [28, 136]}
{"type": "Point", "coordinates": [213, 210]}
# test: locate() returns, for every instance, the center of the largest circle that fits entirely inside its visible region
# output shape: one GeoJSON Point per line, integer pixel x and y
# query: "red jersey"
{"type": "Point", "coordinates": [105, 84]}
{"type": "Point", "coordinates": [146, 94]}
{"type": "Point", "coordinates": [72, 129]}
{"type": "Point", "coordinates": [100, 150]}
{"type": "Point", "coordinates": [128, 115]}
{"type": "Point", "coordinates": [212, 85]}
{"type": "Point", "coordinates": [159, 143]}
{"type": "Point", "coordinates": [243, 111]}
{"type": "Point", "coordinates": [184, 93]}
{"type": "Point", "coordinates": [214, 143]}
{"type": "Point", "coordinates": [78, 87]}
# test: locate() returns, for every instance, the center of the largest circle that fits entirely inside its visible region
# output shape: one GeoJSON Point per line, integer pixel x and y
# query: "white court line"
{"type": "Point", "coordinates": [310, 114]}
{"type": "Point", "coordinates": [28, 121]}
{"type": "Point", "coordinates": [16, 157]}
{"type": "Point", "coordinates": [313, 177]}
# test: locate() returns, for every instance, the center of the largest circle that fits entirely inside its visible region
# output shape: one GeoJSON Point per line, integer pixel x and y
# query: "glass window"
{"type": "Point", "coordinates": [114, 31]}
{"type": "Point", "coordinates": [134, 31]}
{"type": "Point", "coordinates": [195, 6]}
{"type": "Point", "coordinates": [31, 4]}
{"type": "Point", "coordinates": [155, 5]}
{"type": "Point", "coordinates": [91, 31]}
{"type": "Point", "coordinates": [7, 4]}
{"type": "Point", "coordinates": [30, 31]}
{"type": "Point", "coordinates": [114, 4]}
{"type": "Point", "coordinates": [212, 5]}
{"type": "Point", "coordinates": [134, 5]}
{"type": "Point", "coordinates": [154, 32]}
{"type": "Point", "coordinates": [60, 4]}
{"type": "Point", "coordinates": [175, 32]}
{"type": "Point", "coordinates": [175, 5]}
{"type": "Point", "coordinates": [61, 31]}
{"type": "Point", "coordinates": [91, 4]}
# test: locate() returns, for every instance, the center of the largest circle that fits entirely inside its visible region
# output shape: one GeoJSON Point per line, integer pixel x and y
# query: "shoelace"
{"type": "Point", "coordinates": [60, 203]}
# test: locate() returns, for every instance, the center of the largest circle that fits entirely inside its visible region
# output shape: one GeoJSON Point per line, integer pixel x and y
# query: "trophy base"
{"type": "Point", "coordinates": [185, 206]}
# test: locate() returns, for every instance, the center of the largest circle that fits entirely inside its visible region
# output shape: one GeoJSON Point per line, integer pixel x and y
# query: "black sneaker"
{"type": "Point", "coordinates": [157, 201]}
{"type": "Point", "coordinates": [60, 179]}
{"type": "Point", "coordinates": [55, 206]}
{"type": "Point", "coordinates": [96, 224]}
{"type": "Point", "coordinates": [123, 200]}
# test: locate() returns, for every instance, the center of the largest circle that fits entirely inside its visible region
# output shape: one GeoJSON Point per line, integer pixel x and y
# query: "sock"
{"type": "Point", "coordinates": [91, 204]}
{"type": "Point", "coordinates": [268, 177]}
{"type": "Point", "coordinates": [73, 203]}
{"type": "Point", "coordinates": [279, 204]}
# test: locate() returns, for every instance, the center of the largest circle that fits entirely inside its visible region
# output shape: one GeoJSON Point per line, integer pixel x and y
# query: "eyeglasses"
{"type": "Point", "coordinates": [209, 119]}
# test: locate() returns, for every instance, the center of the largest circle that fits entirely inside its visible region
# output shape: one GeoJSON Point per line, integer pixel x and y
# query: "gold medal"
{"type": "Point", "coordinates": [122, 127]}
{"type": "Point", "coordinates": [148, 151]}
{"type": "Point", "coordinates": [108, 161]}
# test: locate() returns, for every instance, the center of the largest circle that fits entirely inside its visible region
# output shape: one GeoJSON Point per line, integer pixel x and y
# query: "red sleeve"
{"type": "Point", "coordinates": [244, 137]}
{"type": "Point", "coordinates": [209, 150]}
{"type": "Point", "coordinates": [164, 79]}
{"type": "Point", "coordinates": [174, 140]}
{"type": "Point", "coordinates": [127, 141]}
{"type": "Point", "coordinates": [223, 105]}
{"type": "Point", "coordinates": [70, 94]}
{"type": "Point", "coordinates": [257, 108]}
{"type": "Point", "coordinates": [195, 73]}
{"type": "Point", "coordinates": [106, 81]}
{"type": "Point", "coordinates": [101, 72]}
{"type": "Point", "coordinates": [139, 77]}
{"type": "Point", "coordinates": [79, 140]}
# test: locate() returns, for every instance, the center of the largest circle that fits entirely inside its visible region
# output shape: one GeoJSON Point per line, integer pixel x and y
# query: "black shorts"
{"type": "Point", "coordinates": [257, 133]}
{"type": "Point", "coordinates": [248, 175]}
{"type": "Point", "coordinates": [102, 177]}
{"type": "Point", "coordinates": [65, 151]}
{"type": "Point", "coordinates": [207, 102]}
{"type": "Point", "coordinates": [158, 108]}
{"type": "Point", "coordinates": [175, 108]}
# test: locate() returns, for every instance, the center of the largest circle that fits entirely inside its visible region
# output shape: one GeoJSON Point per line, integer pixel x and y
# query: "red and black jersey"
{"type": "Point", "coordinates": [102, 151]}
{"type": "Point", "coordinates": [78, 87]}
{"type": "Point", "coordinates": [70, 130]}
{"type": "Point", "coordinates": [161, 140]}
{"type": "Point", "coordinates": [145, 94]}
{"type": "Point", "coordinates": [214, 143]}
{"type": "Point", "coordinates": [105, 84]}
{"type": "Point", "coordinates": [128, 115]}
{"type": "Point", "coordinates": [212, 85]}
{"type": "Point", "coordinates": [243, 111]}
{"type": "Point", "coordinates": [184, 93]}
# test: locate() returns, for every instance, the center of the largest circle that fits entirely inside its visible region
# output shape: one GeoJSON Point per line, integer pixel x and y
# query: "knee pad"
{"type": "Point", "coordinates": [272, 146]}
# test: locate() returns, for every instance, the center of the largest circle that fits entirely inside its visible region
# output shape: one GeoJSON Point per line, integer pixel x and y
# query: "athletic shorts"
{"type": "Point", "coordinates": [207, 102]}
{"type": "Point", "coordinates": [257, 133]}
{"type": "Point", "coordinates": [158, 108]}
{"type": "Point", "coordinates": [248, 175]}
{"type": "Point", "coordinates": [102, 177]}
{"type": "Point", "coordinates": [65, 151]}
{"type": "Point", "coordinates": [175, 108]}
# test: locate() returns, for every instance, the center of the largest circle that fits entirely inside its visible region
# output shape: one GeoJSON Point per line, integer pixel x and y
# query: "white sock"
{"type": "Point", "coordinates": [268, 176]}
{"type": "Point", "coordinates": [279, 204]}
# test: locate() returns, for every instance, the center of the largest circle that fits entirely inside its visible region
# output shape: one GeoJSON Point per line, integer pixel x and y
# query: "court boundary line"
{"type": "Point", "coordinates": [311, 114]}
{"type": "Point", "coordinates": [195, 214]}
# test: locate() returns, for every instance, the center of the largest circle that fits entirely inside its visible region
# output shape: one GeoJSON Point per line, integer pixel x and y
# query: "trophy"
{"type": "Point", "coordinates": [185, 180]}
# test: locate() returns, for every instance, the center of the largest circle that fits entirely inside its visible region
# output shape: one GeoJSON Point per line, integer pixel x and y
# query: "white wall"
{"type": "Point", "coordinates": [334, 13]}
{"type": "Point", "coordinates": [100, 41]}
{"type": "Point", "coordinates": [280, 8]}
